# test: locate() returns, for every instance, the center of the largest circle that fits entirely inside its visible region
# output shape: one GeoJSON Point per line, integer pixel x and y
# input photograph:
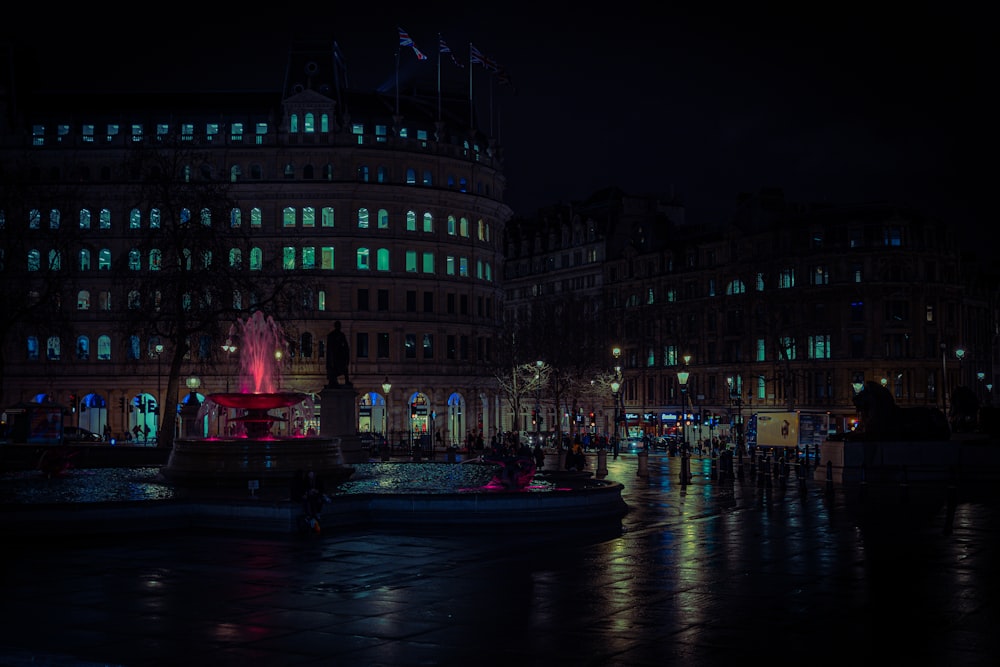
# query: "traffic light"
{"type": "Point", "coordinates": [413, 411]}
{"type": "Point", "coordinates": [534, 417]}
{"type": "Point", "coordinates": [72, 402]}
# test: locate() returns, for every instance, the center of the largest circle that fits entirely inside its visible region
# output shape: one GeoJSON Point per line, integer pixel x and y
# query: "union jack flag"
{"type": "Point", "coordinates": [443, 48]}
{"type": "Point", "coordinates": [406, 40]}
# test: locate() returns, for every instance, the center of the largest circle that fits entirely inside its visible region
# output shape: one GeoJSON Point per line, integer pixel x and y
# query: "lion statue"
{"type": "Point", "coordinates": [881, 419]}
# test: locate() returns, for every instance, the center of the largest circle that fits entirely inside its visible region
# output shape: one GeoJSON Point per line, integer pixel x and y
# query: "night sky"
{"type": "Point", "coordinates": [839, 103]}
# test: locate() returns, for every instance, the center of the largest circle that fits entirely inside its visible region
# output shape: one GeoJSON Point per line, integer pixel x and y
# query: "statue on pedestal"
{"type": "Point", "coordinates": [338, 353]}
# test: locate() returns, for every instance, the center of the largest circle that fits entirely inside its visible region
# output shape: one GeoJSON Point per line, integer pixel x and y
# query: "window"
{"type": "Point", "coordinates": [411, 261]}
{"type": "Point", "coordinates": [410, 346]}
{"type": "Point", "coordinates": [382, 259]}
{"type": "Point", "coordinates": [428, 346]}
{"type": "Point", "coordinates": [383, 219]}
{"type": "Point", "coordinates": [361, 346]}
{"type": "Point", "coordinates": [288, 217]}
{"type": "Point", "coordinates": [326, 258]}
{"type": "Point", "coordinates": [411, 221]}
{"type": "Point", "coordinates": [428, 262]}
{"type": "Point", "coordinates": [383, 300]}
{"type": "Point", "coordinates": [327, 216]}
{"type": "Point", "coordinates": [428, 222]}
{"type": "Point", "coordinates": [308, 217]}
{"type": "Point", "coordinates": [819, 346]}
{"type": "Point", "coordinates": [363, 259]}
{"type": "Point", "coordinates": [362, 218]}
{"type": "Point", "coordinates": [363, 298]}
{"type": "Point", "coordinates": [383, 346]}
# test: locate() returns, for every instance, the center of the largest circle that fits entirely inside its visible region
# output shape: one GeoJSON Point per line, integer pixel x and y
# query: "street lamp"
{"type": "Point", "coordinates": [538, 401]}
{"type": "Point", "coordinates": [682, 379]}
{"type": "Point", "coordinates": [158, 350]}
{"type": "Point", "coordinates": [736, 398]}
{"type": "Point", "coordinates": [615, 388]}
{"type": "Point", "coordinates": [228, 347]}
{"type": "Point", "coordinates": [386, 386]}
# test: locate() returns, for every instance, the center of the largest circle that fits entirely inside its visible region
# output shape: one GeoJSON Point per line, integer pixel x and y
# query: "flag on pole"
{"type": "Point", "coordinates": [476, 56]}
{"type": "Point", "coordinates": [406, 40]}
{"type": "Point", "coordinates": [443, 48]}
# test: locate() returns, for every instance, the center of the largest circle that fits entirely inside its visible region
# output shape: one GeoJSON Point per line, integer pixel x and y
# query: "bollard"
{"type": "Point", "coordinates": [602, 463]}
{"type": "Point", "coordinates": [385, 452]}
{"type": "Point", "coordinates": [829, 477]}
{"type": "Point", "coordinates": [713, 470]}
{"type": "Point", "coordinates": [685, 467]}
{"type": "Point", "coordinates": [643, 469]}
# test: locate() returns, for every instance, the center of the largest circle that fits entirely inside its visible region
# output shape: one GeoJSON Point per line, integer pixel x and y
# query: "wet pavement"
{"type": "Point", "coordinates": [705, 573]}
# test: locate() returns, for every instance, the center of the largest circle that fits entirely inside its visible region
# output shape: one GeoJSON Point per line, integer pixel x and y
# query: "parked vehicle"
{"type": "Point", "coordinates": [75, 434]}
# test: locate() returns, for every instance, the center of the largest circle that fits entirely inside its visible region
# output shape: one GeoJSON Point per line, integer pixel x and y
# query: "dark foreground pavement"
{"type": "Point", "coordinates": [700, 574]}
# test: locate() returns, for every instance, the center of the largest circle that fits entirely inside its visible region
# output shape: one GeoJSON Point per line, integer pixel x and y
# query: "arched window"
{"type": "Point", "coordinates": [256, 259]}
{"type": "Point", "coordinates": [324, 122]}
{"type": "Point", "coordinates": [363, 174]}
{"type": "Point", "coordinates": [411, 221]}
{"type": "Point", "coordinates": [155, 259]}
{"type": "Point", "coordinates": [32, 348]}
{"type": "Point", "coordinates": [185, 216]}
{"type": "Point", "coordinates": [428, 178]}
{"type": "Point", "coordinates": [53, 348]}
{"type": "Point", "coordinates": [452, 226]}
{"type": "Point", "coordinates": [255, 217]}
{"type": "Point", "coordinates": [34, 260]}
{"type": "Point", "coordinates": [289, 171]}
{"type": "Point", "coordinates": [236, 258]}
{"type": "Point", "coordinates": [328, 172]}
{"type": "Point", "coordinates": [134, 219]}
{"type": "Point", "coordinates": [234, 173]}
{"type": "Point", "coordinates": [382, 259]}
{"type": "Point", "coordinates": [362, 218]}
{"type": "Point", "coordinates": [293, 123]}
{"type": "Point", "coordinates": [327, 216]}
{"type": "Point", "coordinates": [235, 217]}
{"type": "Point", "coordinates": [104, 348]}
{"type": "Point", "coordinates": [82, 348]}
{"type": "Point", "coordinates": [83, 300]}
{"type": "Point", "coordinates": [103, 259]}
{"type": "Point", "coordinates": [34, 219]}
{"type": "Point", "coordinates": [411, 176]}
{"type": "Point", "coordinates": [104, 221]}
{"type": "Point", "coordinates": [55, 260]}
{"type": "Point", "coordinates": [308, 217]}
{"type": "Point", "coordinates": [309, 123]}
{"type": "Point", "coordinates": [463, 227]}
{"type": "Point", "coordinates": [206, 217]}
{"type": "Point", "coordinates": [307, 172]}
{"type": "Point", "coordinates": [288, 216]}
{"type": "Point", "coordinates": [134, 302]}
{"type": "Point", "coordinates": [428, 222]}
{"type": "Point", "coordinates": [382, 174]}
{"type": "Point", "coordinates": [84, 218]}
{"type": "Point", "coordinates": [363, 259]}
{"type": "Point", "coordinates": [383, 219]}
{"type": "Point", "coordinates": [134, 259]}
{"type": "Point", "coordinates": [84, 259]}
{"type": "Point", "coordinates": [133, 347]}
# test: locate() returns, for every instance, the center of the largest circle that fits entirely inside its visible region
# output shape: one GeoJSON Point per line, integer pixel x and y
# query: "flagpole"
{"type": "Point", "coordinates": [439, 76]}
{"type": "Point", "coordinates": [471, 119]}
{"type": "Point", "coordinates": [397, 80]}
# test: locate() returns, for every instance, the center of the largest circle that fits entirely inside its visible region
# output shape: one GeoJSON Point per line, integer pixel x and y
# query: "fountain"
{"type": "Point", "coordinates": [249, 453]}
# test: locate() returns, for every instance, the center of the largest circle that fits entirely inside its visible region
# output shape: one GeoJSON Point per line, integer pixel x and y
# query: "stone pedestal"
{"type": "Point", "coordinates": [336, 420]}
{"type": "Point", "coordinates": [602, 463]}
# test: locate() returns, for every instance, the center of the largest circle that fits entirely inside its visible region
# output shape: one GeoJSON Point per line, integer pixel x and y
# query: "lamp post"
{"type": "Point", "coordinates": [615, 388]}
{"type": "Point", "coordinates": [616, 352]}
{"type": "Point", "coordinates": [539, 365]}
{"type": "Point", "coordinates": [158, 350]}
{"type": "Point", "coordinates": [386, 387]}
{"type": "Point", "coordinates": [228, 347]}
{"type": "Point", "coordinates": [682, 379]}
{"type": "Point", "coordinates": [736, 399]}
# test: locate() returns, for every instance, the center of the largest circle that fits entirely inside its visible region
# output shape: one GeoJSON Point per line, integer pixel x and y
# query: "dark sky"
{"type": "Point", "coordinates": [842, 102]}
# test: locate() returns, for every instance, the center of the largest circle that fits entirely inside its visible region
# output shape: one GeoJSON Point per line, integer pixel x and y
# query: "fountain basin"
{"type": "Point", "coordinates": [271, 461]}
{"type": "Point", "coordinates": [137, 500]}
